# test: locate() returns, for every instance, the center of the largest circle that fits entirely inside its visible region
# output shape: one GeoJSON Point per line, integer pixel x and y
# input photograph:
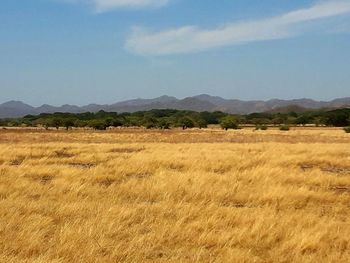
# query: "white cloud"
{"type": "Point", "coordinates": [189, 39]}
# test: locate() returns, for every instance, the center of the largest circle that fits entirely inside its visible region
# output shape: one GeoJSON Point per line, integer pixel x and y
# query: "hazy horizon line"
{"type": "Point", "coordinates": [176, 97]}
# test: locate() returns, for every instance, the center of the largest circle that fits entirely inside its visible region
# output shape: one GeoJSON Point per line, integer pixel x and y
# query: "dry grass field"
{"type": "Point", "coordinates": [175, 196]}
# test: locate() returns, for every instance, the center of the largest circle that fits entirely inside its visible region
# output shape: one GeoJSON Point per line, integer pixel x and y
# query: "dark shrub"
{"type": "Point", "coordinates": [98, 125]}
{"type": "Point", "coordinates": [261, 127]}
{"type": "Point", "coordinates": [284, 128]}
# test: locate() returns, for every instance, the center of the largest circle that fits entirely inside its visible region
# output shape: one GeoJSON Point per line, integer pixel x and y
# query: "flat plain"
{"type": "Point", "coordinates": [134, 195]}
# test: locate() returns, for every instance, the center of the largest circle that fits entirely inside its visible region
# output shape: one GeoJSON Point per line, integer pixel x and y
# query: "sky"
{"type": "Point", "coordinates": [104, 51]}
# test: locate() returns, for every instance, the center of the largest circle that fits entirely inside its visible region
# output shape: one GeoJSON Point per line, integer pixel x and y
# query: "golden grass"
{"type": "Point", "coordinates": [175, 196]}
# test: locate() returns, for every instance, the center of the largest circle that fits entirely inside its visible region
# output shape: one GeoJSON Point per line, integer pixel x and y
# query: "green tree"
{"type": "Point", "coordinates": [80, 123]}
{"type": "Point", "coordinates": [117, 122]}
{"type": "Point", "coordinates": [164, 123]}
{"type": "Point", "coordinates": [68, 123]}
{"type": "Point", "coordinates": [98, 124]}
{"type": "Point", "coordinates": [303, 120]}
{"type": "Point", "coordinates": [56, 122]}
{"type": "Point", "coordinates": [186, 122]}
{"type": "Point", "coordinates": [201, 123]}
{"type": "Point", "coordinates": [338, 118]}
{"type": "Point", "coordinates": [229, 122]}
{"type": "Point", "coordinates": [149, 122]}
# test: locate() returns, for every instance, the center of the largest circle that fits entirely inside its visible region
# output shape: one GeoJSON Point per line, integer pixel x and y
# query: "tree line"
{"type": "Point", "coordinates": [168, 118]}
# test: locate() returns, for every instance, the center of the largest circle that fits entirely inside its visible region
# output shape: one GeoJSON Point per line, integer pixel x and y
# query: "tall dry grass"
{"type": "Point", "coordinates": [174, 196]}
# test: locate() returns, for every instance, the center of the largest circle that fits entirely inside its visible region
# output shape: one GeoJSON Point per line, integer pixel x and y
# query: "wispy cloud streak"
{"type": "Point", "coordinates": [108, 5]}
{"type": "Point", "coordinates": [189, 39]}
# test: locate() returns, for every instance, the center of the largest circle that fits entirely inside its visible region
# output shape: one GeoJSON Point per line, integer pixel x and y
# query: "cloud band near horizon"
{"type": "Point", "coordinates": [190, 39]}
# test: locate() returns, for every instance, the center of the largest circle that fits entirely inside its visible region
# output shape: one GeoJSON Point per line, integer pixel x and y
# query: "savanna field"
{"type": "Point", "coordinates": [134, 195]}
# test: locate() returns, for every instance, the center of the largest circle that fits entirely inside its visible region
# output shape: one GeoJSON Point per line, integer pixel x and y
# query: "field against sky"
{"type": "Point", "coordinates": [175, 196]}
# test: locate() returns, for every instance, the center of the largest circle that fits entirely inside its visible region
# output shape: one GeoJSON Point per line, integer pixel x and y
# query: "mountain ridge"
{"type": "Point", "coordinates": [202, 102]}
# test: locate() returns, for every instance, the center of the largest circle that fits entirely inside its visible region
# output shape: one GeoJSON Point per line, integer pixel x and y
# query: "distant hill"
{"type": "Point", "coordinates": [15, 109]}
{"type": "Point", "coordinates": [201, 102]}
{"type": "Point", "coordinates": [288, 109]}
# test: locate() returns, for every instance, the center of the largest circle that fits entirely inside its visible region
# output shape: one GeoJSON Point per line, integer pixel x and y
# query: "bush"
{"type": "Point", "coordinates": [284, 128]}
{"type": "Point", "coordinates": [261, 127]}
{"type": "Point", "coordinates": [149, 122]}
{"type": "Point", "coordinates": [164, 124]}
{"type": "Point", "coordinates": [149, 125]}
{"type": "Point", "coordinates": [347, 129]}
{"type": "Point", "coordinates": [201, 123]}
{"type": "Point", "coordinates": [98, 125]}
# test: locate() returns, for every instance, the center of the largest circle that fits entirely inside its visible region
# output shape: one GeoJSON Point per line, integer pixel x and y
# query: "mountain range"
{"type": "Point", "coordinates": [204, 102]}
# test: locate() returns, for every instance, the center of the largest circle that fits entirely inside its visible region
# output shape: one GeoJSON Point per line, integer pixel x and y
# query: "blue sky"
{"type": "Point", "coordinates": [83, 51]}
